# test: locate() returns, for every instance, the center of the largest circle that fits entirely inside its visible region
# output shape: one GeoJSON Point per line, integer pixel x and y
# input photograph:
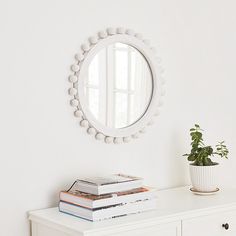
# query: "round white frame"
{"type": "Point", "coordinates": [79, 70]}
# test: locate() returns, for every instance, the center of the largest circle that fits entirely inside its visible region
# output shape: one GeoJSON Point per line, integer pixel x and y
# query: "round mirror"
{"type": "Point", "coordinates": [118, 85]}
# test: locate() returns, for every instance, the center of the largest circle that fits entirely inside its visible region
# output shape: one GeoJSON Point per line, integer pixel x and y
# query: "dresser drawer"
{"type": "Point", "coordinates": [169, 229]}
{"type": "Point", "coordinates": [211, 225]}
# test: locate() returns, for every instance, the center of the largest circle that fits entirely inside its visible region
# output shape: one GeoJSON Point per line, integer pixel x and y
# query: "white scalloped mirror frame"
{"type": "Point", "coordinates": [80, 67]}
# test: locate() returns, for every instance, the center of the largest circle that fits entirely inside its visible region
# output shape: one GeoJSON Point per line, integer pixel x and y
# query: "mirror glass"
{"type": "Point", "coordinates": [118, 85]}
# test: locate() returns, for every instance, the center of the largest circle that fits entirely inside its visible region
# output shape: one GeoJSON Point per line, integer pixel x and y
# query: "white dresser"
{"type": "Point", "coordinates": [179, 213]}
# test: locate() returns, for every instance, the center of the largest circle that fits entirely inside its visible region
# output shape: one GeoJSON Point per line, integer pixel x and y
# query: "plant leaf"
{"type": "Point", "coordinates": [191, 157]}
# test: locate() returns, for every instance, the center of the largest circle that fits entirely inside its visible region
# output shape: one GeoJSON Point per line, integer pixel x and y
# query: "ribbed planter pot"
{"type": "Point", "coordinates": [204, 178]}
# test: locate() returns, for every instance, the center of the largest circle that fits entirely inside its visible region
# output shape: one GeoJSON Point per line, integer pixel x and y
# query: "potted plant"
{"type": "Point", "coordinates": [204, 171]}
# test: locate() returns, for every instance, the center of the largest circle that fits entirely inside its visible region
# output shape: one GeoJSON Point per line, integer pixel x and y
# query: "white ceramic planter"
{"type": "Point", "coordinates": [204, 178]}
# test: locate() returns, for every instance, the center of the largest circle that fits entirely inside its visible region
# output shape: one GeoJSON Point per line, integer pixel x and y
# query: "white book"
{"type": "Point", "coordinates": [108, 212]}
{"type": "Point", "coordinates": [91, 201]}
{"type": "Point", "coordinates": [109, 184]}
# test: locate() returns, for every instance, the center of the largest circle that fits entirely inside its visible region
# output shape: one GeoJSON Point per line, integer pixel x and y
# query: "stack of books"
{"type": "Point", "coordinates": [102, 198]}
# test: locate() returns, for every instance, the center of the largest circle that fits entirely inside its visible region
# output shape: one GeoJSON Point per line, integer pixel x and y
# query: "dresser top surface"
{"type": "Point", "coordinates": [171, 203]}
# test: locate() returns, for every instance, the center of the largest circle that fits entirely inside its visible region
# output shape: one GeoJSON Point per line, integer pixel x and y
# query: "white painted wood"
{"type": "Point", "coordinates": [72, 91]}
{"type": "Point", "coordinates": [93, 39]}
{"type": "Point", "coordinates": [79, 56]}
{"type": "Point", "coordinates": [211, 225]}
{"type": "Point", "coordinates": [84, 123]}
{"type": "Point", "coordinates": [102, 34]}
{"type": "Point", "coordinates": [108, 139]}
{"type": "Point", "coordinates": [91, 131]}
{"type": "Point", "coordinates": [43, 230]}
{"type": "Point", "coordinates": [198, 215]}
{"type": "Point", "coordinates": [34, 228]}
{"type": "Point", "coordinates": [170, 229]}
{"type": "Point", "coordinates": [85, 47]}
{"type": "Point", "coordinates": [73, 78]}
{"type": "Point", "coordinates": [75, 68]}
{"type": "Point", "coordinates": [78, 113]}
{"type": "Point", "coordinates": [127, 139]}
{"type": "Point", "coordinates": [156, 96]}
{"type": "Point", "coordinates": [74, 102]}
{"type": "Point", "coordinates": [113, 35]}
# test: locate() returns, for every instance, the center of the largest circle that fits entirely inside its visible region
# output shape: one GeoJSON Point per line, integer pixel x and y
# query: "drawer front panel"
{"type": "Point", "coordinates": [211, 225]}
{"type": "Point", "coordinates": [43, 230]}
{"type": "Point", "coordinates": [170, 229]}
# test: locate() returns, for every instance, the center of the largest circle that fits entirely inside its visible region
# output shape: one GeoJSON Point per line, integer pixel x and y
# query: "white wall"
{"type": "Point", "coordinates": [43, 149]}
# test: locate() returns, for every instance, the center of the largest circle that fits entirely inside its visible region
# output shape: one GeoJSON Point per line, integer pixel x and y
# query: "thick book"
{"type": "Point", "coordinates": [91, 201]}
{"type": "Point", "coordinates": [109, 184]}
{"type": "Point", "coordinates": [103, 213]}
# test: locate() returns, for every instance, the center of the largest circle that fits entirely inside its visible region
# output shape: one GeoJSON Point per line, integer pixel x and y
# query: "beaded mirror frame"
{"type": "Point", "coordinates": [80, 67]}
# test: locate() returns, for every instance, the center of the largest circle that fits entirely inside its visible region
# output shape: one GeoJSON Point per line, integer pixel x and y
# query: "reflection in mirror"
{"type": "Point", "coordinates": [118, 85]}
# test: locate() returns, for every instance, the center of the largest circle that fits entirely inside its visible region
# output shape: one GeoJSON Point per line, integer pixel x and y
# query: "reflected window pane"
{"type": "Point", "coordinates": [133, 110]}
{"type": "Point", "coordinates": [133, 65]}
{"type": "Point", "coordinates": [121, 105]}
{"type": "Point", "coordinates": [136, 107]}
{"type": "Point", "coordinates": [93, 73]}
{"type": "Point", "coordinates": [93, 101]}
{"type": "Point", "coordinates": [118, 87]}
{"type": "Point", "coordinates": [121, 69]}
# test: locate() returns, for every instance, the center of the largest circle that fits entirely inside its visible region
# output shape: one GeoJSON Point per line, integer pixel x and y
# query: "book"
{"type": "Point", "coordinates": [103, 213]}
{"type": "Point", "coordinates": [109, 184]}
{"type": "Point", "coordinates": [88, 200]}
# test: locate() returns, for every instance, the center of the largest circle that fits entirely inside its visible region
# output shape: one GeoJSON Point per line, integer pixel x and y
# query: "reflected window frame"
{"type": "Point", "coordinates": [108, 109]}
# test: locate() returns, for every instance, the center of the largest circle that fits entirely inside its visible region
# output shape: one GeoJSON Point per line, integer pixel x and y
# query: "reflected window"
{"type": "Point", "coordinates": [118, 86]}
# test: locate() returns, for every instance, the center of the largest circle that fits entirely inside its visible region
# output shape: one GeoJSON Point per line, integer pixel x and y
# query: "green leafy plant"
{"type": "Point", "coordinates": [200, 153]}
